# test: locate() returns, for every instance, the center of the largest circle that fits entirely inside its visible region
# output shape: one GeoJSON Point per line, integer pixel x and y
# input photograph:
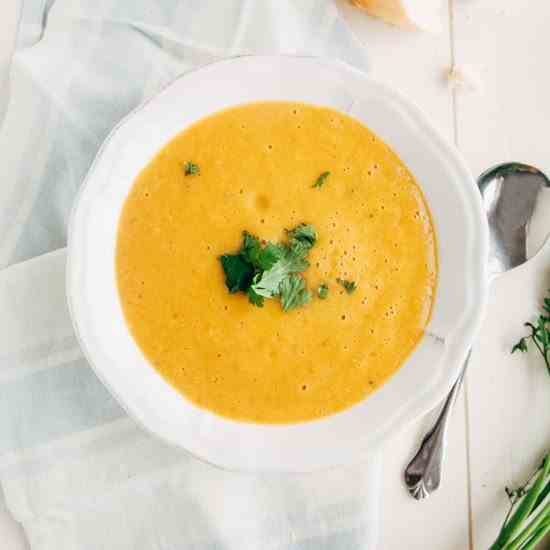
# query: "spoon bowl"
{"type": "Point", "coordinates": [510, 194]}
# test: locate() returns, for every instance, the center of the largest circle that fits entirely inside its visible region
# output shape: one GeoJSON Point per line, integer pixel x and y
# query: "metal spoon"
{"type": "Point", "coordinates": [509, 192]}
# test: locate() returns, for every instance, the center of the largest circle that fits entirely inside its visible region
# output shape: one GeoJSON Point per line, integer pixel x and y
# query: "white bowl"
{"type": "Point", "coordinates": [344, 437]}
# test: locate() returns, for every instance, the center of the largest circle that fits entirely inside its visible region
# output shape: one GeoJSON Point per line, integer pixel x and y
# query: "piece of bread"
{"type": "Point", "coordinates": [411, 14]}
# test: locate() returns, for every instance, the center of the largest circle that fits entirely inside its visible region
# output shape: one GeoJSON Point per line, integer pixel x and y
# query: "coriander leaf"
{"type": "Point", "coordinates": [322, 291]}
{"type": "Point", "coordinates": [238, 272]}
{"type": "Point", "coordinates": [262, 258]}
{"type": "Point", "coordinates": [540, 335]}
{"type": "Point", "coordinates": [294, 292]}
{"type": "Point", "coordinates": [304, 233]}
{"type": "Point", "coordinates": [520, 346]}
{"type": "Point", "coordinates": [251, 248]}
{"type": "Point", "coordinates": [191, 169]}
{"type": "Point", "coordinates": [270, 255]}
{"type": "Point", "coordinates": [301, 240]}
{"type": "Point", "coordinates": [320, 181]}
{"type": "Point", "coordinates": [543, 334]}
{"type": "Point", "coordinates": [267, 283]}
{"type": "Point", "coordinates": [350, 286]}
{"type": "Point", "coordinates": [299, 249]}
{"type": "Point", "coordinates": [269, 270]}
{"type": "Point", "coordinates": [254, 298]}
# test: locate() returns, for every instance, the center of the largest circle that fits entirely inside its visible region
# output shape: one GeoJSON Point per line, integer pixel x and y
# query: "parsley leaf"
{"type": "Point", "coordinates": [350, 286]}
{"type": "Point", "coordinates": [191, 169]}
{"type": "Point", "coordinates": [238, 272]}
{"type": "Point", "coordinates": [294, 292]}
{"type": "Point", "coordinates": [322, 291]}
{"type": "Point", "coordinates": [320, 181]}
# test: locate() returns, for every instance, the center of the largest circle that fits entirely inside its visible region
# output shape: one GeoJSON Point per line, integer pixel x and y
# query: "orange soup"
{"type": "Point", "coordinates": [257, 168]}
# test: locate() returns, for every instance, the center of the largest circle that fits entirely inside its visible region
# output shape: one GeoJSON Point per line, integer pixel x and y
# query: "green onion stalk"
{"type": "Point", "coordinates": [528, 519]}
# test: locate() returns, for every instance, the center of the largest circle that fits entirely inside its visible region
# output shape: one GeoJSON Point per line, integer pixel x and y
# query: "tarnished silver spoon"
{"type": "Point", "coordinates": [510, 193]}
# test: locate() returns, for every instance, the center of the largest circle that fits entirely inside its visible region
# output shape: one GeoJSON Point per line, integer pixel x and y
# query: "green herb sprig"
{"type": "Point", "coordinates": [349, 286]}
{"type": "Point", "coordinates": [271, 270]}
{"type": "Point", "coordinates": [539, 336]}
{"type": "Point", "coordinates": [321, 180]}
{"type": "Point", "coordinates": [191, 169]}
{"type": "Point", "coordinates": [528, 519]}
{"type": "Point", "coordinates": [322, 291]}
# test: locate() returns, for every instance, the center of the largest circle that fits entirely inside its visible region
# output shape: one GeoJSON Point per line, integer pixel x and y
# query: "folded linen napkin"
{"type": "Point", "coordinates": [75, 470]}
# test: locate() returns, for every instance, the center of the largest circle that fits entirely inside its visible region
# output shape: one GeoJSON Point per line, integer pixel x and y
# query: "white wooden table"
{"type": "Point", "coordinates": [500, 427]}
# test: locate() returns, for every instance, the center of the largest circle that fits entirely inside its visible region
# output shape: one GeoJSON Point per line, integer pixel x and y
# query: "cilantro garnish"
{"type": "Point", "coordinates": [238, 272]}
{"type": "Point", "coordinates": [303, 233]}
{"type": "Point", "coordinates": [191, 169]}
{"type": "Point", "coordinates": [271, 270]}
{"type": "Point", "coordinates": [321, 180]}
{"type": "Point", "coordinates": [254, 298]}
{"type": "Point", "coordinates": [350, 286]}
{"type": "Point", "coordinates": [294, 292]}
{"type": "Point", "coordinates": [322, 291]}
{"type": "Point", "coordinates": [539, 335]}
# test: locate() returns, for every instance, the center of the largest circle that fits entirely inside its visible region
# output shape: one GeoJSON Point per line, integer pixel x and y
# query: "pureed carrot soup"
{"type": "Point", "coordinates": [276, 262]}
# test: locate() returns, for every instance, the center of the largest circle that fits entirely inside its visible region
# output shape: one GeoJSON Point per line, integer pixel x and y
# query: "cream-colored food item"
{"type": "Point", "coordinates": [464, 78]}
{"type": "Point", "coordinates": [412, 14]}
{"type": "Point", "coordinates": [258, 163]}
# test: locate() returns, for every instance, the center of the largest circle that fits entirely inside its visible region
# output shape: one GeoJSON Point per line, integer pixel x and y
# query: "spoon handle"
{"type": "Point", "coordinates": [423, 474]}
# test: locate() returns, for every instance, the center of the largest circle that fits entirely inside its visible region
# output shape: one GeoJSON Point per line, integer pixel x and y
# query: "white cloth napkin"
{"type": "Point", "coordinates": [75, 470]}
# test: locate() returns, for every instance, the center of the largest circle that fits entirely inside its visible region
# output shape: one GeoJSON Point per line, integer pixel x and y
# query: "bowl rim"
{"type": "Point", "coordinates": [398, 422]}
